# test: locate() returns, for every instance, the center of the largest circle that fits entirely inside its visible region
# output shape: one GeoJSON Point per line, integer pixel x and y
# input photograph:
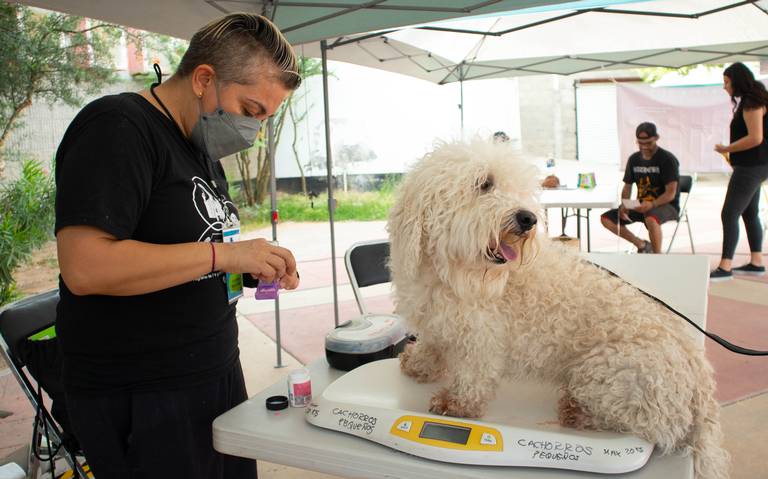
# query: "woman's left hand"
{"type": "Point", "coordinates": [721, 148]}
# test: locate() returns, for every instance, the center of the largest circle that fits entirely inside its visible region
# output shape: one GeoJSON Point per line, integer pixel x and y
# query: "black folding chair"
{"type": "Point", "coordinates": [36, 364]}
{"type": "Point", "coordinates": [366, 264]}
{"type": "Point", "coordinates": [684, 186]}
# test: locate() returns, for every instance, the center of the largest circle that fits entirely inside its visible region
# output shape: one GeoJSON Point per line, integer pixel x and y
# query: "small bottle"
{"type": "Point", "coordinates": [267, 290]}
{"type": "Point", "coordinates": [299, 388]}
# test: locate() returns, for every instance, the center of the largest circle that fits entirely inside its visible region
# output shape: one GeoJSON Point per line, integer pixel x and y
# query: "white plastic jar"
{"type": "Point", "coordinates": [299, 388]}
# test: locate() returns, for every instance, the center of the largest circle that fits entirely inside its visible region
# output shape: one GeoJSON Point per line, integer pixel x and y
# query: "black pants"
{"type": "Point", "coordinates": [163, 434]}
{"type": "Point", "coordinates": [743, 199]}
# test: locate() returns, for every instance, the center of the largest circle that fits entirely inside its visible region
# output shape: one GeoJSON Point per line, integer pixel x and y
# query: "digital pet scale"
{"type": "Point", "coordinates": [379, 403]}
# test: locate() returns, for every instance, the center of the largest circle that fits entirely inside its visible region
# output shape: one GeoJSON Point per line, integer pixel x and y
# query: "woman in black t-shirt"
{"type": "Point", "coordinates": [748, 154]}
{"type": "Point", "coordinates": [148, 286]}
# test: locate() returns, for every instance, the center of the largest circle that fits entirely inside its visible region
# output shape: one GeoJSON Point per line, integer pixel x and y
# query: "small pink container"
{"type": "Point", "coordinates": [267, 290]}
{"type": "Point", "coordinates": [299, 388]}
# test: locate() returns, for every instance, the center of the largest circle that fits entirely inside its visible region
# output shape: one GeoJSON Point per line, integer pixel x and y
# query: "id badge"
{"type": "Point", "coordinates": [234, 280]}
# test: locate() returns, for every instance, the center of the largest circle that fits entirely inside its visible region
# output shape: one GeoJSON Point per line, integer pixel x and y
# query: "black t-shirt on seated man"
{"type": "Point", "coordinates": [651, 176]}
{"type": "Point", "coordinates": [125, 168]}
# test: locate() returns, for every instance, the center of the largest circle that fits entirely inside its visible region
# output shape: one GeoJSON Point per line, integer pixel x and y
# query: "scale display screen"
{"type": "Point", "coordinates": [444, 432]}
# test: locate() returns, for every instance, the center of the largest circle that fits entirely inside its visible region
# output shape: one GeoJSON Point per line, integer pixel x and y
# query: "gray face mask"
{"type": "Point", "coordinates": [222, 133]}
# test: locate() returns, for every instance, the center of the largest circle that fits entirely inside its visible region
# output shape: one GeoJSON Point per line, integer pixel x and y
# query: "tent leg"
{"type": "Point", "coordinates": [461, 107]}
{"type": "Point", "coordinates": [274, 219]}
{"type": "Point", "coordinates": [329, 173]}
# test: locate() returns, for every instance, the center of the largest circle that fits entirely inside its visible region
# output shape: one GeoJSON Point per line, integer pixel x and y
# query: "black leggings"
{"type": "Point", "coordinates": [742, 199]}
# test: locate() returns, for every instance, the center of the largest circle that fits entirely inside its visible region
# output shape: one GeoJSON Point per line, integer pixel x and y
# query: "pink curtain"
{"type": "Point", "coordinates": [690, 121]}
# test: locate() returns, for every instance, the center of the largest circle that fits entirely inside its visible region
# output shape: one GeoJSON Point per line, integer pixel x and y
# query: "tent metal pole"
{"type": "Point", "coordinates": [576, 115]}
{"type": "Point", "coordinates": [274, 219]}
{"type": "Point", "coordinates": [461, 106]}
{"type": "Point", "coordinates": [329, 173]}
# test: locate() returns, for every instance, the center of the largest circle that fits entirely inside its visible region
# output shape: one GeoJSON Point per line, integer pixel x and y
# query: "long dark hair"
{"type": "Point", "coordinates": [743, 85]}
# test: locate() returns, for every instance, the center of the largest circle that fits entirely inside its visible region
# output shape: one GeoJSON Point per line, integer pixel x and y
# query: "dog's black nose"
{"type": "Point", "coordinates": [525, 220]}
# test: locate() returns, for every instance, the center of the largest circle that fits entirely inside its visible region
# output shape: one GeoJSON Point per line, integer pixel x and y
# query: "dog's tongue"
{"type": "Point", "coordinates": [508, 252]}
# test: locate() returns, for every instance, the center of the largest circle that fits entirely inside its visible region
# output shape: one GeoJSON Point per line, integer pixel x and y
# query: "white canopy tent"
{"type": "Point", "coordinates": [587, 36]}
{"type": "Point", "coordinates": [301, 21]}
{"type": "Point", "coordinates": [664, 33]}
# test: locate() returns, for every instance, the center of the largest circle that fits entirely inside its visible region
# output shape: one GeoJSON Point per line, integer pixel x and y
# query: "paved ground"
{"type": "Point", "coordinates": [740, 308]}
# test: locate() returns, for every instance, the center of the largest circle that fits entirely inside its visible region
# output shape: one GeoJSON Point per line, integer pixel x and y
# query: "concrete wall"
{"type": "Point", "coordinates": [43, 126]}
{"type": "Point", "coordinates": [548, 116]}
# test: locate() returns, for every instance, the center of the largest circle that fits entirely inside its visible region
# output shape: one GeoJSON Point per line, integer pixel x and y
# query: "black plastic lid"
{"type": "Point", "coordinates": [277, 403]}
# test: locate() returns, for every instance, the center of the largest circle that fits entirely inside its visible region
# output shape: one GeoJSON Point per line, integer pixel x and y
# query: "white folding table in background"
{"type": "Point", "coordinates": [602, 196]}
{"type": "Point", "coordinates": [250, 430]}
{"type": "Point", "coordinates": [606, 193]}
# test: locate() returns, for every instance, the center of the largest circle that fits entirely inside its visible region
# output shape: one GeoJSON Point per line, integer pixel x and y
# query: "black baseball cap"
{"type": "Point", "coordinates": [647, 128]}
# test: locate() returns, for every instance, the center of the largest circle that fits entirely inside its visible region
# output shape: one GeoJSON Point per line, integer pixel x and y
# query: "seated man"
{"type": "Point", "coordinates": [656, 173]}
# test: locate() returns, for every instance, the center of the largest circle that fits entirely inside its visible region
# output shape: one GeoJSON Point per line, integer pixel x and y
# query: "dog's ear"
{"type": "Point", "coordinates": [405, 227]}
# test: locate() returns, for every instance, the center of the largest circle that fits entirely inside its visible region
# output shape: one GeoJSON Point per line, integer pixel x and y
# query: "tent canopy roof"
{"type": "Point", "coordinates": [300, 20]}
{"type": "Point", "coordinates": [667, 33]}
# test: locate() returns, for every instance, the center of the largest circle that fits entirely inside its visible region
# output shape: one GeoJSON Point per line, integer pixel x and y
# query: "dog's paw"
{"type": "Point", "coordinates": [571, 414]}
{"type": "Point", "coordinates": [448, 405]}
{"type": "Point", "coordinates": [419, 370]}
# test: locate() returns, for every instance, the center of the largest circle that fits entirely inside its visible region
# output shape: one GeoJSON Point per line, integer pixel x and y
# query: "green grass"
{"type": "Point", "coordinates": [351, 206]}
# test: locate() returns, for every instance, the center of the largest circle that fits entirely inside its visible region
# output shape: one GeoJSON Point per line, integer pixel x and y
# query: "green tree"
{"type": "Point", "coordinates": [170, 48]}
{"type": "Point", "coordinates": [255, 161]}
{"type": "Point", "coordinates": [26, 219]}
{"type": "Point", "coordinates": [49, 56]}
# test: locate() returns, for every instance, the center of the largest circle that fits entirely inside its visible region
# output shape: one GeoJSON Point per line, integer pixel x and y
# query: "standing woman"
{"type": "Point", "coordinates": [148, 288]}
{"type": "Point", "coordinates": [748, 152]}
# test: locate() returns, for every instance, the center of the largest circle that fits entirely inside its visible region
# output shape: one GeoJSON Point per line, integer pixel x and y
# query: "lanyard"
{"type": "Point", "coordinates": [206, 160]}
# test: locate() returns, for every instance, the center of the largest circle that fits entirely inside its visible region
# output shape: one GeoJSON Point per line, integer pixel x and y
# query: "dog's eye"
{"type": "Point", "coordinates": [486, 185]}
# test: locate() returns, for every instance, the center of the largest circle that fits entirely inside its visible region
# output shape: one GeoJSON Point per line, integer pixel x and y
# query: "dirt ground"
{"type": "Point", "coordinates": [40, 273]}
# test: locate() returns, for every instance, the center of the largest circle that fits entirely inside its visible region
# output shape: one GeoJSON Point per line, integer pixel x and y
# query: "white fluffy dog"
{"type": "Point", "coordinates": [490, 299]}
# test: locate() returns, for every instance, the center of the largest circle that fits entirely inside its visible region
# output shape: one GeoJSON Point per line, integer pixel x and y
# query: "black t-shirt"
{"type": "Point", "coordinates": [651, 176]}
{"type": "Point", "coordinates": [754, 156]}
{"type": "Point", "coordinates": [125, 168]}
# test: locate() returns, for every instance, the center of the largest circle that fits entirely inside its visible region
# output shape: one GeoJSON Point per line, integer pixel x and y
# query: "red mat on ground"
{"type": "Point", "coordinates": [760, 279]}
{"type": "Point", "coordinates": [316, 273]}
{"type": "Point", "coordinates": [304, 329]}
{"type": "Point", "coordinates": [745, 324]}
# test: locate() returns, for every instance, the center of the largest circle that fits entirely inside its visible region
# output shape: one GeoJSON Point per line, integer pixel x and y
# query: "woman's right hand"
{"type": "Point", "coordinates": [259, 258]}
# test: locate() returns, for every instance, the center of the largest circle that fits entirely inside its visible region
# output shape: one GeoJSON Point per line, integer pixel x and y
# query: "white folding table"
{"type": "Point", "coordinates": [602, 196]}
{"type": "Point", "coordinates": [250, 430]}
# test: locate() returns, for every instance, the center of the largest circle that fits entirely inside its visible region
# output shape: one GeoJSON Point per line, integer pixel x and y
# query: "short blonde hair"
{"type": "Point", "coordinates": [237, 44]}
